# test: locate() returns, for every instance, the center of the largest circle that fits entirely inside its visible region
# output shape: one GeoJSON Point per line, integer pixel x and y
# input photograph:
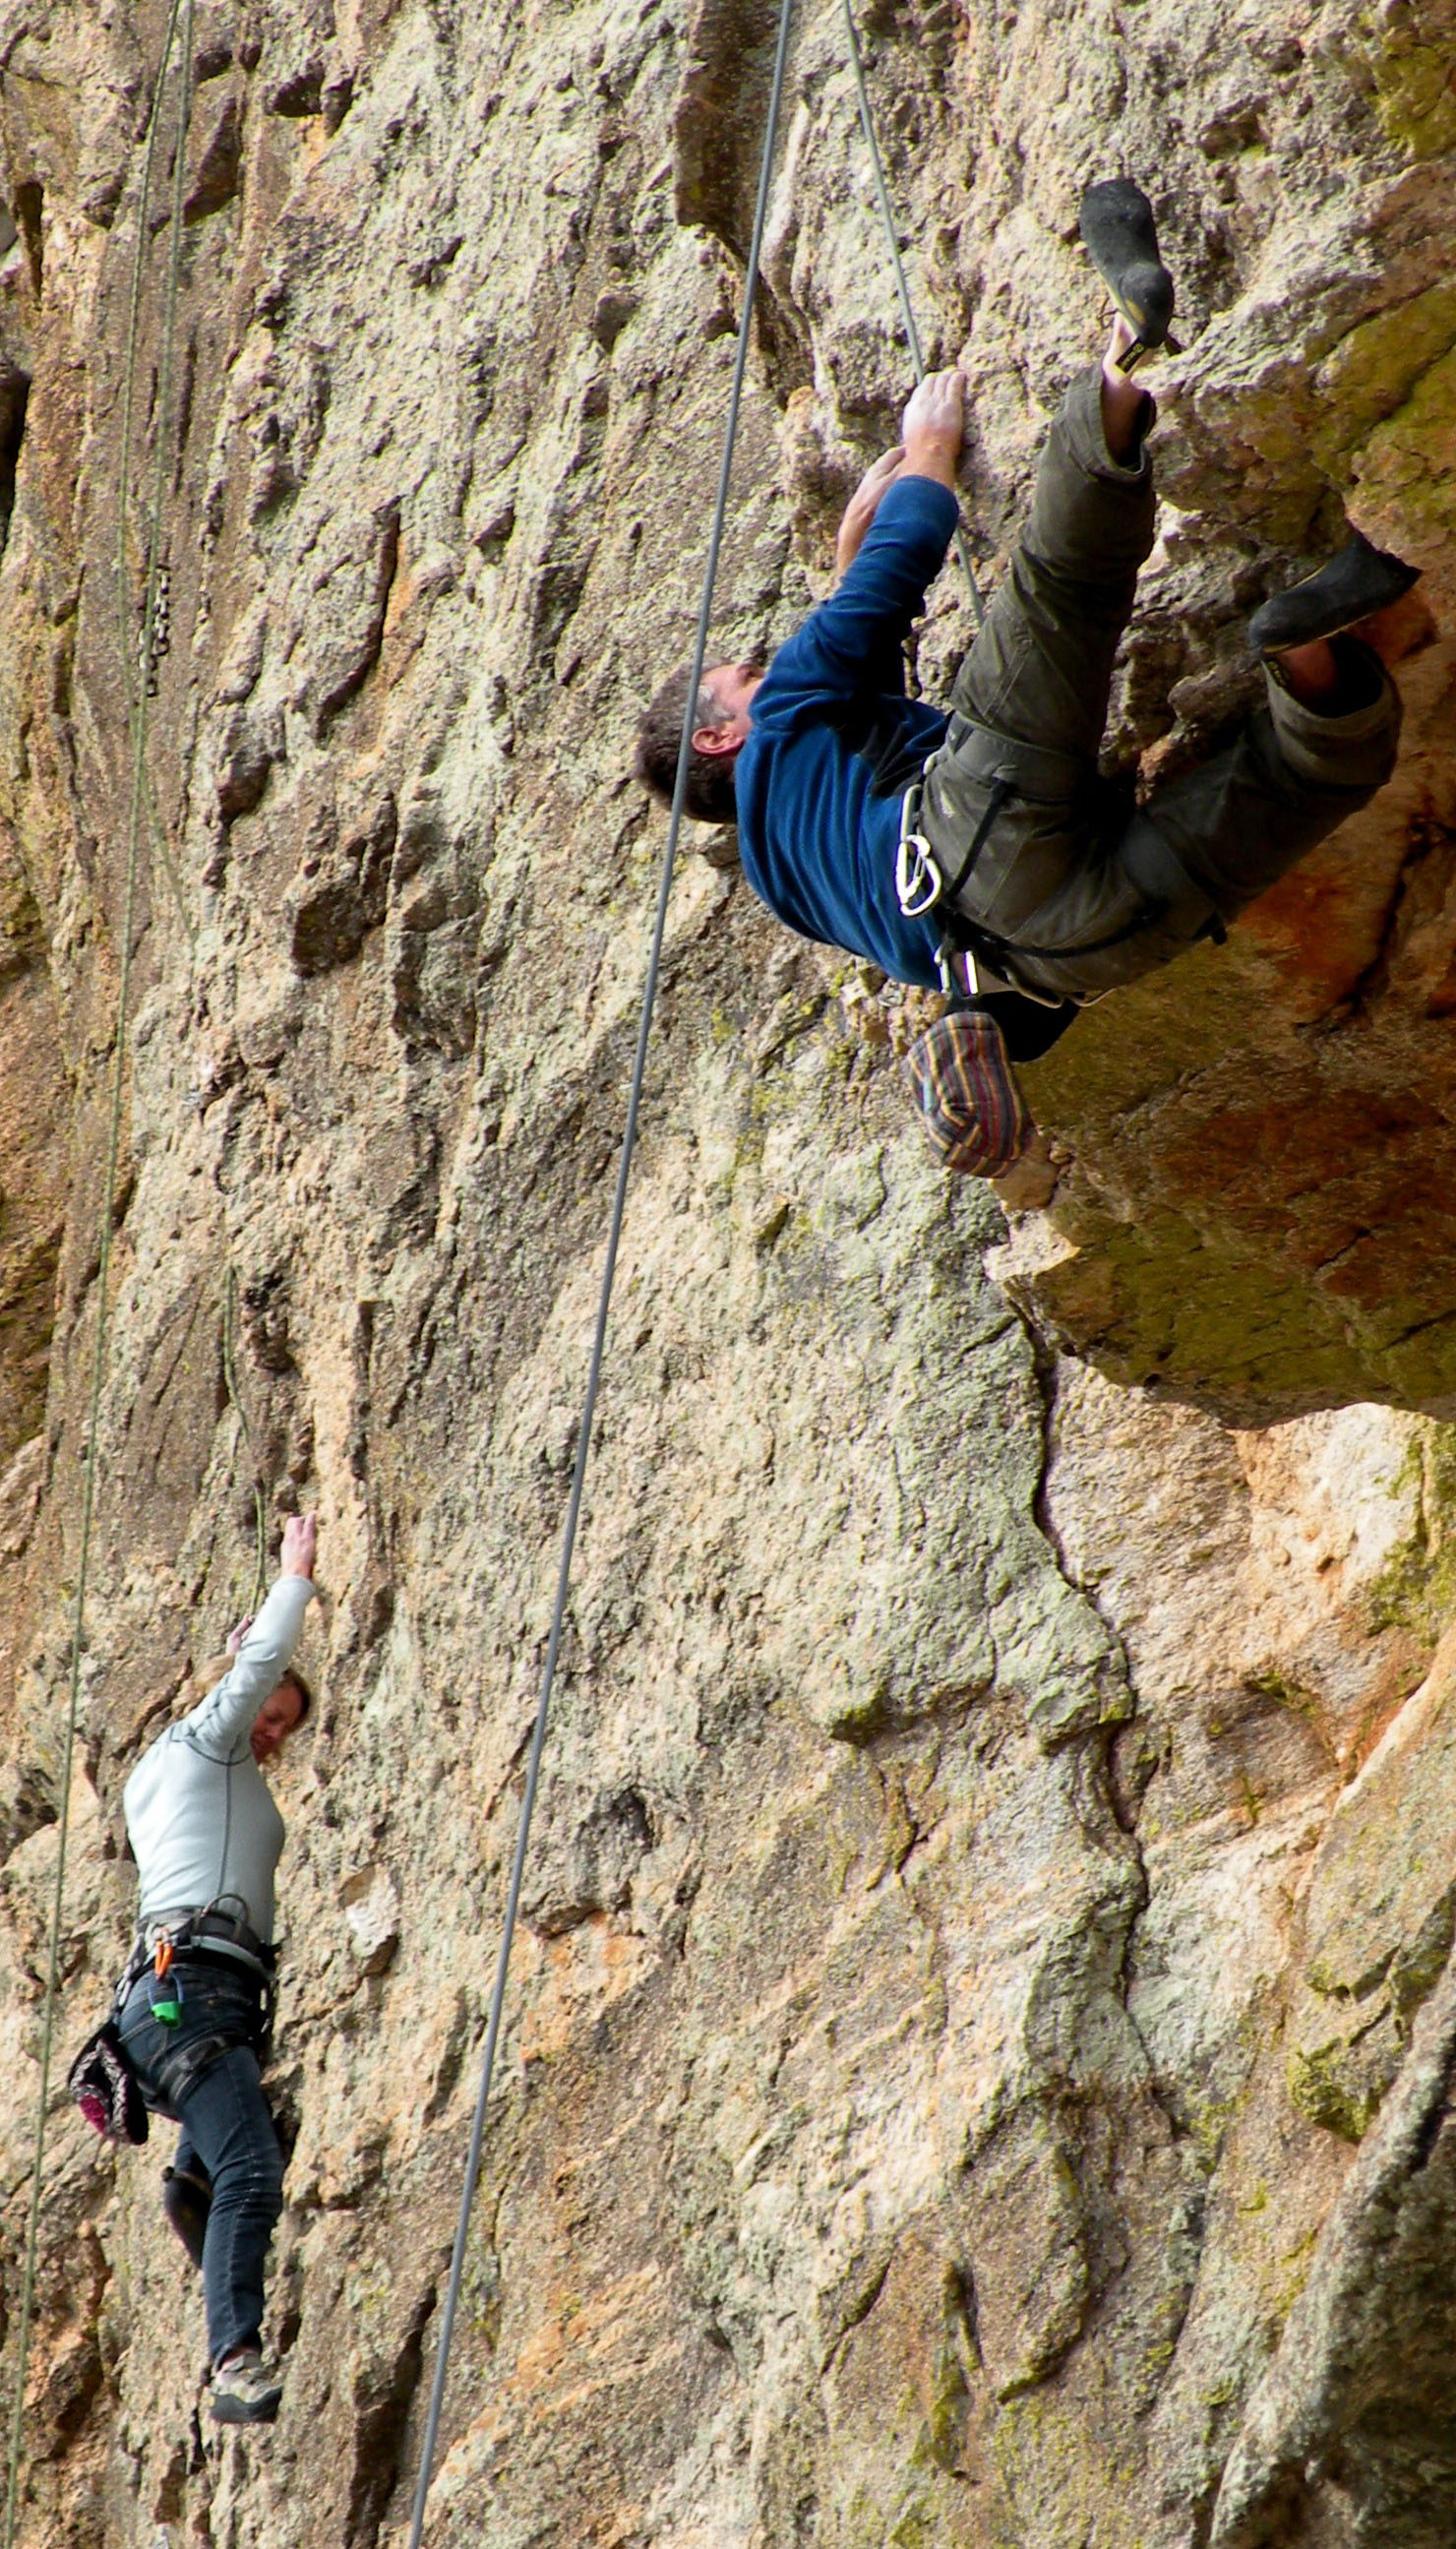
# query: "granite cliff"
{"type": "Point", "coordinates": [979, 2058]}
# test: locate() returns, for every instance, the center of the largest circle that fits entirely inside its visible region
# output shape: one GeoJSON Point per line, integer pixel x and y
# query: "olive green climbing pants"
{"type": "Point", "coordinates": [1083, 893]}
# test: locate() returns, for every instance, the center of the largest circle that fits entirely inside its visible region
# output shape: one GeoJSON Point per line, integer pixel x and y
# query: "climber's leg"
{"type": "Point", "coordinates": [1300, 768]}
{"type": "Point", "coordinates": [1210, 841]}
{"type": "Point", "coordinates": [186, 2199]}
{"type": "Point", "coordinates": [1030, 700]}
{"type": "Point", "coordinates": [1041, 666]}
{"type": "Point", "coordinates": [1320, 751]}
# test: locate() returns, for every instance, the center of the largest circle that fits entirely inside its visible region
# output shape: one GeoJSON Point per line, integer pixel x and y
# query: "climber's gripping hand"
{"type": "Point", "coordinates": [933, 427]}
{"type": "Point", "coordinates": [300, 1543]}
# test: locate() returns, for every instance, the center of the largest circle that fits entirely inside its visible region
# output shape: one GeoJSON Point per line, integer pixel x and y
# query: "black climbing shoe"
{"type": "Point", "coordinates": [1117, 223]}
{"type": "Point", "coordinates": [244, 2394]}
{"type": "Point", "coordinates": [1357, 580]}
{"type": "Point", "coordinates": [187, 2201]}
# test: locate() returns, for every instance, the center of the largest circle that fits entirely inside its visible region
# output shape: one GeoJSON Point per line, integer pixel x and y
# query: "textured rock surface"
{"type": "Point", "coordinates": [978, 2060]}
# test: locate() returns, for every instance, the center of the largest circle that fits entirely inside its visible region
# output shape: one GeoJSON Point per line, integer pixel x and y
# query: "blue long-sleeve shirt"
{"type": "Point", "coordinates": [833, 742]}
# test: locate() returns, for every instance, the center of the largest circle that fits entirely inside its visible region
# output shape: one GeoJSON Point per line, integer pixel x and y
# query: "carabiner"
{"type": "Point", "coordinates": [917, 888]}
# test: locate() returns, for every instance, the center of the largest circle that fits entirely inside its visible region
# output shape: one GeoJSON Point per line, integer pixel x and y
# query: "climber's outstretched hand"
{"type": "Point", "coordinates": [863, 505]}
{"type": "Point", "coordinates": [933, 427]}
{"type": "Point", "coordinates": [300, 1541]}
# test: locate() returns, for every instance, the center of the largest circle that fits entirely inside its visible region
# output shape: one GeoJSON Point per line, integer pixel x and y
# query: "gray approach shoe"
{"type": "Point", "coordinates": [244, 2394]}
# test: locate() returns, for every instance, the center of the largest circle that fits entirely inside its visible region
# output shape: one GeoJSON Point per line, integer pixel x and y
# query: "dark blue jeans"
{"type": "Point", "coordinates": [226, 2126]}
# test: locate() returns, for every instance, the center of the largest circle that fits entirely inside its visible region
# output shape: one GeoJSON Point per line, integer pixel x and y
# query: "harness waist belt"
{"type": "Point", "coordinates": [1035, 770]}
{"type": "Point", "coordinates": [212, 1933]}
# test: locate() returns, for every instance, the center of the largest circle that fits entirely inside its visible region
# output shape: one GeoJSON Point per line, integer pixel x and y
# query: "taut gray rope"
{"type": "Point", "coordinates": [901, 284]}
{"type": "Point", "coordinates": [584, 1434]}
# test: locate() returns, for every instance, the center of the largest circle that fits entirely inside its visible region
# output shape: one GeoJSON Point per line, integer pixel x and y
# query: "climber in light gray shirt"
{"type": "Point", "coordinates": [200, 1817]}
{"type": "Point", "coordinates": [207, 1839]}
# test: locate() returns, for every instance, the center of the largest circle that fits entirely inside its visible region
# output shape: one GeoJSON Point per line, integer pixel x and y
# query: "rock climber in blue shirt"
{"type": "Point", "coordinates": [981, 849]}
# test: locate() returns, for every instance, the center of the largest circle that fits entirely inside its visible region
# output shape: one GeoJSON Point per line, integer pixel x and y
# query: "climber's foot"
{"type": "Point", "coordinates": [1355, 584]}
{"type": "Point", "coordinates": [1116, 225]}
{"type": "Point", "coordinates": [244, 2394]}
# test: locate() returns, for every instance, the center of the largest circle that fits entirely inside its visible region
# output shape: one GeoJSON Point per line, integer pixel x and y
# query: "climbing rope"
{"type": "Point", "coordinates": [584, 1432]}
{"type": "Point", "coordinates": [181, 9]}
{"type": "Point", "coordinates": [902, 283]}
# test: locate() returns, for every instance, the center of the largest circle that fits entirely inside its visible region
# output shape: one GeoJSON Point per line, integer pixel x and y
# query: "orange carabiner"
{"type": "Point", "coordinates": [163, 1956]}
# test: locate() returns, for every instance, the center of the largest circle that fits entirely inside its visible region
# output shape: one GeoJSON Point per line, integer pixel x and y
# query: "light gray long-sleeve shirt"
{"type": "Point", "coordinates": [199, 1817]}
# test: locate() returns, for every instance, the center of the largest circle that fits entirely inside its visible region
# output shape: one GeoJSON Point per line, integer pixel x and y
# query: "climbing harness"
{"type": "Point", "coordinates": [619, 1200]}
{"type": "Point", "coordinates": [921, 886]}
{"type": "Point", "coordinates": [919, 882]}
{"type": "Point", "coordinates": [180, 13]}
{"type": "Point", "coordinates": [224, 1938]}
{"type": "Point", "coordinates": [897, 260]}
{"type": "Point", "coordinates": [968, 949]}
{"type": "Point", "coordinates": [227, 1943]}
{"type": "Point", "coordinates": [103, 2080]}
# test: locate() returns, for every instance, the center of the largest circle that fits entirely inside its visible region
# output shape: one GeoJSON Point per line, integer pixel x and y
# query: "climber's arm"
{"type": "Point", "coordinates": [896, 531]}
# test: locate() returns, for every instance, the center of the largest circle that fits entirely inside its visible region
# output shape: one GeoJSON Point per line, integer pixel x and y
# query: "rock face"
{"type": "Point", "coordinates": [979, 2054]}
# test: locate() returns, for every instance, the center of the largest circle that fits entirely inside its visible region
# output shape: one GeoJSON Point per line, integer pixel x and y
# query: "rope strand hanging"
{"type": "Point", "coordinates": [897, 260]}
{"type": "Point", "coordinates": [181, 11]}
{"type": "Point", "coordinates": [584, 1434]}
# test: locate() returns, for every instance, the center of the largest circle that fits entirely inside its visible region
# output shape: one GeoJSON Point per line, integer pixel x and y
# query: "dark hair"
{"type": "Point", "coordinates": [709, 796]}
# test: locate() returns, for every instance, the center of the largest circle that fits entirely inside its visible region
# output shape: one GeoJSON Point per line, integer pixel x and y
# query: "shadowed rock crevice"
{"type": "Point", "coordinates": [382, 2402]}
{"type": "Point", "coordinates": [15, 390]}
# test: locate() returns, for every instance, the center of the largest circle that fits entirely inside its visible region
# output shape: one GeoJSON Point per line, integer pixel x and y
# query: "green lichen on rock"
{"type": "Point", "coordinates": [1416, 1587]}
{"type": "Point", "coordinates": [1374, 371]}
{"type": "Point", "coordinates": [1035, 2433]}
{"type": "Point", "coordinates": [1420, 1963]}
{"type": "Point", "coordinates": [1414, 92]}
{"type": "Point", "coordinates": [1321, 2087]}
{"type": "Point", "coordinates": [1410, 461]}
{"type": "Point", "coordinates": [945, 2426]}
{"type": "Point", "coordinates": [1172, 1269]}
{"type": "Point", "coordinates": [1160, 1301]}
{"type": "Point", "coordinates": [1380, 1914]}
